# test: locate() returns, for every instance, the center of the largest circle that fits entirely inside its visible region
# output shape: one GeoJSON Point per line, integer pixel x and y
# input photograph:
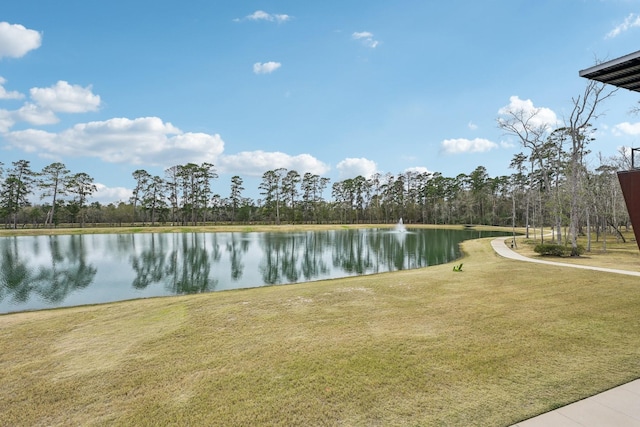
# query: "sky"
{"type": "Point", "coordinates": [335, 88]}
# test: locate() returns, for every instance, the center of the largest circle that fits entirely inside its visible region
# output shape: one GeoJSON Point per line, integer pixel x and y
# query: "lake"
{"type": "Point", "coordinates": [38, 272]}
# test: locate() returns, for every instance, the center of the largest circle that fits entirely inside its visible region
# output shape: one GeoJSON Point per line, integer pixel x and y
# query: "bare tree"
{"type": "Point", "coordinates": [579, 129]}
{"type": "Point", "coordinates": [532, 129]}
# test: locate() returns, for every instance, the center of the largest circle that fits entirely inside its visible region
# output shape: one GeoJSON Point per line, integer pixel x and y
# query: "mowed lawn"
{"type": "Point", "coordinates": [499, 342]}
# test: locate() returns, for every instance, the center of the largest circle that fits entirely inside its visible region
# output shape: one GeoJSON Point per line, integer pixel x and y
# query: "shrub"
{"type": "Point", "coordinates": [552, 249]}
{"type": "Point", "coordinates": [549, 249]}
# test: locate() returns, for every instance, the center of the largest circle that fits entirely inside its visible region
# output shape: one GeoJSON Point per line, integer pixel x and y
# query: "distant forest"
{"type": "Point", "coordinates": [537, 193]}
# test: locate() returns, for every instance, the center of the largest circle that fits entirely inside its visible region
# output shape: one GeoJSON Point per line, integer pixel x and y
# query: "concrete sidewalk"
{"type": "Point", "coordinates": [501, 249]}
{"type": "Point", "coordinates": [618, 407]}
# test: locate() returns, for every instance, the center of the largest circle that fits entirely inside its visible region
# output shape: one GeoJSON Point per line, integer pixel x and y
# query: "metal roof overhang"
{"type": "Point", "coordinates": [622, 72]}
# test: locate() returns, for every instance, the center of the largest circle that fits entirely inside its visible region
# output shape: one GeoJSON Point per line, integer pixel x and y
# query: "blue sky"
{"type": "Point", "coordinates": [336, 88]}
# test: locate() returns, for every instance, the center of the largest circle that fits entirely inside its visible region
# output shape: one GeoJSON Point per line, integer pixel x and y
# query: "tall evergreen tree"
{"type": "Point", "coordinates": [142, 178]}
{"type": "Point", "coordinates": [52, 181]}
{"type": "Point", "coordinates": [82, 187]}
{"type": "Point", "coordinates": [271, 187]}
{"type": "Point", "coordinates": [16, 188]}
{"type": "Point", "coordinates": [236, 195]}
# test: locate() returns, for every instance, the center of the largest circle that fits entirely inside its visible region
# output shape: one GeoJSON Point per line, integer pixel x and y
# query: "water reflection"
{"type": "Point", "coordinates": [181, 262]}
{"type": "Point", "coordinates": [189, 267]}
{"type": "Point", "coordinates": [53, 271]}
{"type": "Point", "coordinates": [150, 263]}
{"type": "Point", "coordinates": [236, 247]}
{"type": "Point", "coordinates": [63, 271]}
{"type": "Point", "coordinates": [67, 272]}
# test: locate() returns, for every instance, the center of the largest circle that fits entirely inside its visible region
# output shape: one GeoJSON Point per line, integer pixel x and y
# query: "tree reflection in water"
{"type": "Point", "coordinates": [69, 270]}
{"type": "Point", "coordinates": [181, 262]}
{"type": "Point", "coordinates": [190, 264]}
{"type": "Point", "coordinates": [280, 258]}
{"type": "Point", "coordinates": [236, 247]}
{"type": "Point", "coordinates": [150, 264]}
{"type": "Point", "coordinates": [15, 277]}
{"type": "Point", "coordinates": [313, 264]}
{"type": "Point", "coordinates": [66, 271]}
{"type": "Point", "coordinates": [112, 267]}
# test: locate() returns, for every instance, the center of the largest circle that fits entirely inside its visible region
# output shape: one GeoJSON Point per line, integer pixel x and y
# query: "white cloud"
{"type": "Point", "coordinates": [144, 140]}
{"type": "Point", "coordinates": [366, 38]}
{"type": "Point", "coordinates": [627, 128]}
{"type": "Point", "coordinates": [353, 167]}
{"type": "Point", "coordinates": [281, 17]}
{"type": "Point", "coordinates": [32, 140]}
{"type": "Point", "coordinates": [61, 97]}
{"type": "Point", "coordinates": [107, 195]}
{"type": "Point", "coordinates": [630, 21]}
{"type": "Point", "coordinates": [539, 116]}
{"type": "Point", "coordinates": [6, 120]}
{"type": "Point", "coordinates": [266, 67]}
{"type": "Point", "coordinates": [16, 40]}
{"type": "Point", "coordinates": [462, 145]}
{"type": "Point", "coordinates": [256, 163]}
{"type": "Point", "coordinates": [29, 113]}
{"type": "Point", "coordinates": [152, 142]}
{"type": "Point", "coordinates": [8, 95]}
{"type": "Point", "coordinates": [65, 98]}
{"type": "Point", "coordinates": [472, 126]}
{"type": "Point", "coordinates": [260, 15]}
{"type": "Point", "coordinates": [362, 35]}
{"type": "Point", "coordinates": [35, 115]}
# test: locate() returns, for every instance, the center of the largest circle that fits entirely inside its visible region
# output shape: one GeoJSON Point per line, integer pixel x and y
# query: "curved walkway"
{"type": "Point", "coordinates": [501, 249]}
{"type": "Point", "coordinates": [618, 407]}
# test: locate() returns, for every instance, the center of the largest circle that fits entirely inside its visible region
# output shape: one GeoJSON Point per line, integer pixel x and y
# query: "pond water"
{"type": "Point", "coordinates": [38, 272]}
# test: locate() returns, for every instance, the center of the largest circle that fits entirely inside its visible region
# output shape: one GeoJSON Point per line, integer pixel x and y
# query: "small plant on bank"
{"type": "Point", "coordinates": [552, 249]}
{"type": "Point", "coordinates": [457, 267]}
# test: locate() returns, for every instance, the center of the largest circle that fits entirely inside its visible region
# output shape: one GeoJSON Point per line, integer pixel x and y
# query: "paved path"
{"type": "Point", "coordinates": [618, 407]}
{"type": "Point", "coordinates": [501, 248]}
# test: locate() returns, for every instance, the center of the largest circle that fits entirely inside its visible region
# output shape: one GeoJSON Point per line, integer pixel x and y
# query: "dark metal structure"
{"type": "Point", "coordinates": [624, 72]}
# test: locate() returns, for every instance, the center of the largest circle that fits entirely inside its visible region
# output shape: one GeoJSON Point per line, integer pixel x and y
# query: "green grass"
{"type": "Point", "coordinates": [496, 343]}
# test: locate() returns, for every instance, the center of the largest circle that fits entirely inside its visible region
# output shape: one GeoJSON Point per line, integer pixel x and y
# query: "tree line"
{"type": "Point", "coordinates": [536, 193]}
{"type": "Point", "coordinates": [555, 183]}
{"type": "Point", "coordinates": [54, 181]}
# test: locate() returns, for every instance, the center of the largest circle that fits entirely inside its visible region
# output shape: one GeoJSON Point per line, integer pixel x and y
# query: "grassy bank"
{"type": "Point", "coordinates": [209, 229]}
{"type": "Point", "coordinates": [165, 229]}
{"type": "Point", "coordinates": [496, 343]}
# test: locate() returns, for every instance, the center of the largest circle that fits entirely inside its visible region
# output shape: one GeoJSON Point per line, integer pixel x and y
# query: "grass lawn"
{"type": "Point", "coordinates": [499, 342]}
